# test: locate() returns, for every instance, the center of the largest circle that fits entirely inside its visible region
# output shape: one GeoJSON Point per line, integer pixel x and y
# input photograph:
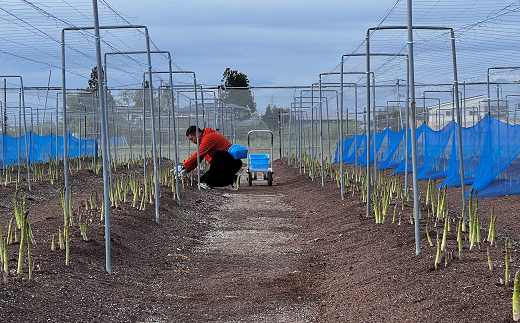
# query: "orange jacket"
{"type": "Point", "coordinates": [210, 142]}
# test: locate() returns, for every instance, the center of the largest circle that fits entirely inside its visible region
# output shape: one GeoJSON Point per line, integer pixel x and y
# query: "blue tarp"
{"type": "Point", "coordinates": [395, 152]}
{"type": "Point", "coordinates": [43, 148]}
{"type": "Point", "coordinates": [490, 148]}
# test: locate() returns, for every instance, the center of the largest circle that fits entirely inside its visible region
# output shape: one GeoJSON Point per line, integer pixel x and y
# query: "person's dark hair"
{"type": "Point", "coordinates": [192, 130]}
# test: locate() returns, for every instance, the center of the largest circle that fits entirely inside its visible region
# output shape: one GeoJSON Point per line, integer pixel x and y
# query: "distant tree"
{"type": "Point", "coordinates": [82, 104]}
{"type": "Point", "coordinates": [243, 96]}
{"type": "Point", "coordinates": [270, 117]}
{"type": "Point", "coordinates": [134, 98]}
{"type": "Point", "coordinates": [93, 83]}
{"type": "Point", "coordinates": [93, 86]}
{"type": "Point", "coordinates": [233, 78]}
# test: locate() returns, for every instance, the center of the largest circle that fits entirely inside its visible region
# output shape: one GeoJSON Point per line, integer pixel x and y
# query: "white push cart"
{"type": "Point", "coordinates": [259, 163]}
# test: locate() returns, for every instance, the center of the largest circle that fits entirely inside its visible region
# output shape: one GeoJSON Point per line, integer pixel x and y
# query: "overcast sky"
{"type": "Point", "coordinates": [275, 43]}
{"type": "Point", "coordinates": [283, 42]}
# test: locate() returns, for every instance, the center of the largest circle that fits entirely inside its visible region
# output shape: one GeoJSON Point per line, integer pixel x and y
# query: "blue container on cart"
{"type": "Point", "coordinates": [259, 161]}
{"type": "Point", "coordinates": [238, 151]}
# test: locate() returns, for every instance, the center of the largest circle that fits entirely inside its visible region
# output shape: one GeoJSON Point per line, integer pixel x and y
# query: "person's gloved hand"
{"type": "Point", "coordinates": [181, 171]}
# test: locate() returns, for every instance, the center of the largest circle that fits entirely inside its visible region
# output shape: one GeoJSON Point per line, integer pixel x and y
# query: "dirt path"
{"type": "Point", "coordinates": [248, 267]}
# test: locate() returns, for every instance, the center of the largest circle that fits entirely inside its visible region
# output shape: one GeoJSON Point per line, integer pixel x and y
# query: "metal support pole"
{"type": "Point", "coordinates": [340, 125]}
{"type": "Point", "coordinates": [104, 137]}
{"type": "Point", "coordinates": [154, 140]}
{"type": "Point", "coordinates": [321, 134]}
{"type": "Point", "coordinates": [459, 126]}
{"type": "Point", "coordinates": [368, 132]}
{"type": "Point", "coordinates": [414, 139]}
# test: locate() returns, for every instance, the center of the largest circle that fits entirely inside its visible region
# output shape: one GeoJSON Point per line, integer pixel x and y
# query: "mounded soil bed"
{"type": "Point", "coordinates": [291, 252]}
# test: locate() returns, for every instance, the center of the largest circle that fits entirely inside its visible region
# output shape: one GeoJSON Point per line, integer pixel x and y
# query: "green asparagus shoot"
{"type": "Point", "coordinates": [516, 293]}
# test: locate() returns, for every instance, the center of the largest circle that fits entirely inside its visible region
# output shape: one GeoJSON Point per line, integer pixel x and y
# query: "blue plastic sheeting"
{"type": "Point", "coordinates": [400, 169]}
{"type": "Point", "coordinates": [362, 160]}
{"type": "Point", "coordinates": [356, 150]}
{"type": "Point", "coordinates": [498, 169]}
{"type": "Point", "coordinates": [395, 151]}
{"type": "Point", "coordinates": [436, 152]}
{"type": "Point", "coordinates": [473, 141]}
{"type": "Point", "coordinates": [349, 156]}
{"type": "Point", "coordinates": [42, 148]}
{"type": "Point", "coordinates": [490, 149]}
{"type": "Point", "coordinates": [346, 147]}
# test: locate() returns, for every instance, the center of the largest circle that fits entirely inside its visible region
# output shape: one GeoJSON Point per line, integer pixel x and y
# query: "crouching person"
{"type": "Point", "coordinates": [213, 146]}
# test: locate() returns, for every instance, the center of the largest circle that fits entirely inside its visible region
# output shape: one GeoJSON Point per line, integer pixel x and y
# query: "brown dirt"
{"type": "Point", "coordinates": [292, 252]}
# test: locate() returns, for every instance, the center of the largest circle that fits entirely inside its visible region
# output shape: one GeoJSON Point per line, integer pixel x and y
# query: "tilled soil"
{"type": "Point", "coordinates": [291, 252]}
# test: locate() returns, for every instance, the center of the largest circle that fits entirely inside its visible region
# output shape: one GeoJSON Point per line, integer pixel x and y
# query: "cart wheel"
{"type": "Point", "coordinates": [250, 179]}
{"type": "Point", "coordinates": [270, 178]}
{"type": "Point", "coordinates": [265, 176]}
{"type": "Point", "coordinates": [255, 176]}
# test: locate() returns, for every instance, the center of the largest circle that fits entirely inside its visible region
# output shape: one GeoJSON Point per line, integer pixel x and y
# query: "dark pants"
{"type": "Point", "coordinates": [222, 169]}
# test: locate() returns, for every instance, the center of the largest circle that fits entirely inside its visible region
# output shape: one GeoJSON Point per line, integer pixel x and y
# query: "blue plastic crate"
{"type": "Point", "coordinates": [259, 161]}
{"type": "Point", "coordinates": [238, 151]}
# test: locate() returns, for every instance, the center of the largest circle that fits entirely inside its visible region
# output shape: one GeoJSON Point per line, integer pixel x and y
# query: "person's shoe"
{"type": "Point", "coordinates": [204, 186]}
{"type": "Point", "coordinates": [236, 183]}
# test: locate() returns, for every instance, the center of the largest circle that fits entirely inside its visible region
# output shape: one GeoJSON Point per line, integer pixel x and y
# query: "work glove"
{"type": "Point", "coordinates": [181, 171]}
